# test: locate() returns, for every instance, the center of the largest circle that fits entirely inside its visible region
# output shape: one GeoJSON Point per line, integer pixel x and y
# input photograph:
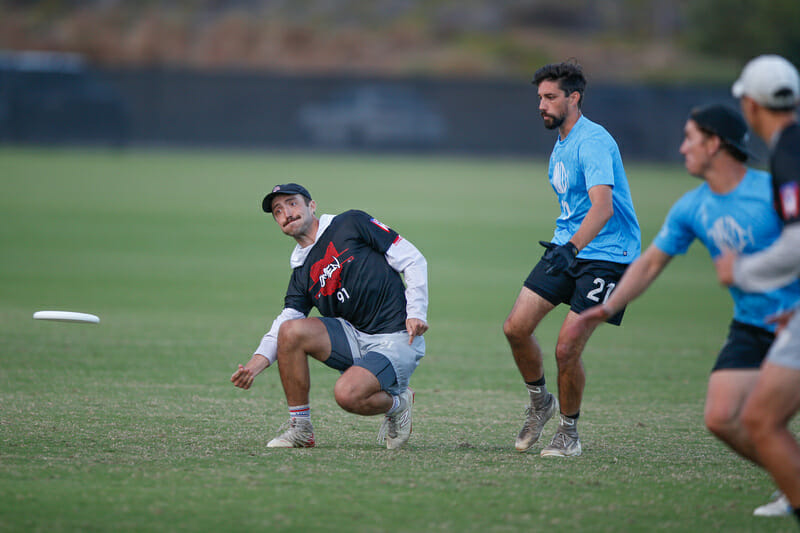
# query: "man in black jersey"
{"type": "Point", "coordinates": [769, 93]}
{"type": "Point", "coordinates": [349, 267]}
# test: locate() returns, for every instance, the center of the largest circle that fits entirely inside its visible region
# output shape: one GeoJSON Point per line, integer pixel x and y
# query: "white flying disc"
{"type": "Point", "coordinates": [66, 316]}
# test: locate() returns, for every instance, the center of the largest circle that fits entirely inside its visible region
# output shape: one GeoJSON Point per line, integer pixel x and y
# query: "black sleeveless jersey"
{"type": "Point", "coordinates": [345, 275]}
{"type": "Point", "coordinates": [785, 168]}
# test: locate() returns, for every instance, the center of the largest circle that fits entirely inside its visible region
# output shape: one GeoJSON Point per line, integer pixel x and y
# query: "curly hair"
{"type": "Point", "coordinates": [568, 74]}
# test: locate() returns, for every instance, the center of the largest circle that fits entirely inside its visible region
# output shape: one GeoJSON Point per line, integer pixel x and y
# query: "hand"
{"type": "Point", "coordinates": [561, 258]}
{"type": "Point", "coordinates": [242, 378]}
{"type": "Point", "coordinates": [781, 319]}
{"type": "Point", "coordinates": [245, 374]}
{"type": "Point", "coordinates": [724, 265]}
{"type": "Point", "coordinates": [587, 321]}
{"type": "Point", "coordinates": [415, 328]}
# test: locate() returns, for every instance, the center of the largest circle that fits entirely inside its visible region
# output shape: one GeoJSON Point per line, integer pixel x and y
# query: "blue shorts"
{"type": "Point", "coordinates": [387, 355]}
{"type": "Point", "coordinates": [586, 284]}
{"type": "Point", "coordinates": [745, 348]}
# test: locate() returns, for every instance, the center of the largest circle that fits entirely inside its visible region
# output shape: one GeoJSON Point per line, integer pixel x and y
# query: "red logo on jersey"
{"type": "Point", "coordinates": [328, 271]}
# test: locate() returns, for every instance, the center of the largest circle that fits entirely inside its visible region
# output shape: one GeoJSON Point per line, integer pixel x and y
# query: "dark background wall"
{"type": "Point", "coordinates": [176, 107]}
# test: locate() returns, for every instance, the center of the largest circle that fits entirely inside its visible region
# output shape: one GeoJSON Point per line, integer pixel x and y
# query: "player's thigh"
{"type": "Point", "coordinates": [775, 398]}
{"type": "Point", "coordinates": [529, 309]}
{"type": "Point", "coordinates": [308, 334]}
{"type": "Point", "coordinates": [727, 391]}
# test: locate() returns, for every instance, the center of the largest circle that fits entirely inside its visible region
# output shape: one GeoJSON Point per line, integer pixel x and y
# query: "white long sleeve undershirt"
{"type": "Point", "coordinates": [773, 267]}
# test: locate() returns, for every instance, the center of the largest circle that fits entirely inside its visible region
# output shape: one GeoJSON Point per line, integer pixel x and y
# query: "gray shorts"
{"type": "Point", "coordinates": [785, 351]}
{"type": "Point", "coordinates": [353, 347]}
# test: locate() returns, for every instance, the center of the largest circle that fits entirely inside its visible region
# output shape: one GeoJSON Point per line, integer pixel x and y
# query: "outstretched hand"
{"type": "Point", "coordinates": [415, 328]}
{"type": "Point", "coordinates": [245, 374]}
{"type": "Point", "coordinates": [587, 321]}
{"type": "Point", "coordinates": [243, 377]}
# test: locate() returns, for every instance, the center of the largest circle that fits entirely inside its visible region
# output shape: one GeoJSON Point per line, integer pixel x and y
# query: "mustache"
{"type": "Point", "coordinates": [290, 220]}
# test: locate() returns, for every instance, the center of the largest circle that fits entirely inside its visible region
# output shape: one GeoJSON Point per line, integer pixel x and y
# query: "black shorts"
{"type": "Point", "coordinates": [586, 284]}
{"type": "Point", "coordinates": [745, 348]}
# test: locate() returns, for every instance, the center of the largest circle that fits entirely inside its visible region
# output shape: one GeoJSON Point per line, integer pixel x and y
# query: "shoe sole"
{"type": "Point", "coordinates": [559, 453]}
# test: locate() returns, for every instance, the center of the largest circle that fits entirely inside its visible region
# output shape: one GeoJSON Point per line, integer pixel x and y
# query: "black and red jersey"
{"type": "Point", "coordinates": [345, 275]}
{"type": "Point", "coordinates": [785, 168]}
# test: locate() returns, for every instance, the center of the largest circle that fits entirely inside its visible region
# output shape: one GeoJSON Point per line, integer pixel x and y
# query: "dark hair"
{"type": "Point", "coordinates": [568, 74]}
{"type": "Point", "coordinates": [732, 150]}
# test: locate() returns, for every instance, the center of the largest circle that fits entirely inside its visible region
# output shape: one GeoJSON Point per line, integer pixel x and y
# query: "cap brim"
{"type": "Point", "coordinates": [737, 90]}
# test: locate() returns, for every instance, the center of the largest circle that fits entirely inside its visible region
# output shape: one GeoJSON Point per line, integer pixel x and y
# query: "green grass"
{"type": "Point", "coordinates": [132, 425]}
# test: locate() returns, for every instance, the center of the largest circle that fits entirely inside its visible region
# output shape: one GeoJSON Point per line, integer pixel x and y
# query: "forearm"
{"type": "Point", "coordinates": [596, 218]}
{"type": "Point", "coordinates": [637, 278]}
{"type": "Point", "coordinates": [773, 267]}
{"type": "Point", "coordinates": [406, 259]}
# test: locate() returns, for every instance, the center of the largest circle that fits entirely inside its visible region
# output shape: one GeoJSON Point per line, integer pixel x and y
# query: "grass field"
{"type": "Point", "coordinates": [132, 425]}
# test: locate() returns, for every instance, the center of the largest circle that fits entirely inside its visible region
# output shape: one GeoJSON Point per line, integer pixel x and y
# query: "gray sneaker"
{"type": "Point", "coordinates": [565, 442]}
{"type": "Point", "coordinates": [396, 429]}
{"type": "Point", "coordinates": [299, 434]}
{"type": "Point", "coordinates": [534, 423]}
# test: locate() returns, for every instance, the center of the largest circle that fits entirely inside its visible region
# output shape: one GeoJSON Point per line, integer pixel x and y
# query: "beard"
{"type": "Point", "coordinates": [552, 122]}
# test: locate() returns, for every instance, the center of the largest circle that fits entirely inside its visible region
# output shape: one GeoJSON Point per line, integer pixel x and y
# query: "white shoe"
{"type": "Point", "coordinates": [396, 429]}
{"type": "Point", "coordinates": [299, 434]}
{"type": "Point", "coordinates": [779, 506]}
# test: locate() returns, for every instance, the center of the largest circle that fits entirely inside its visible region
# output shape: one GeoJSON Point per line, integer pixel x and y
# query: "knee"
{"type": "Point", "coordinates": [513, 332]}
{"type": "Point", "coordinates": [720, 424]}
{"type": "Point", "coordinates": [346, 395]}
{"type": "Point", "coordinates": [289, 334]}
{"type": "Point", "coordinates": [755, 423]}
{"type": "Point", "coordinates": [567, 352]}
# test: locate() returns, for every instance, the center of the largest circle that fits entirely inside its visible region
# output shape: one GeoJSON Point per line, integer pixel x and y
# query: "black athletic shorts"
{"type": "Point", "coordinates": [745, 347]}
{"type": "Point", "coordinates": [586, 284]}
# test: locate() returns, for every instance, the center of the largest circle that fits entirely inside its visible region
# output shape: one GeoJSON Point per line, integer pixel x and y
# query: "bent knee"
{"type": "Point", "coordinates": [720, 423]}
{"type": "Point", "coordinates": [346, 395]}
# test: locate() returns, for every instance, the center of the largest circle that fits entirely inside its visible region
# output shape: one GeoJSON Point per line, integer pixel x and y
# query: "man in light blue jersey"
{"type": "Point", "coordinates": [596, 237]}
{"type": "Point", "coordinates": [731, 210]}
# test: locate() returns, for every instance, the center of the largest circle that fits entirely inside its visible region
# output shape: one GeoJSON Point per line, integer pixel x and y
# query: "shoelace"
{"type": "Point", "coordinates": [387, 428]}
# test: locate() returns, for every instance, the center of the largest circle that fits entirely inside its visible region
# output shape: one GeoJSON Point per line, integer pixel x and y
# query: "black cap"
{"type": "Point", "coordinates": [724, 122]}
{"type": "Point", "coordinates": [288, 188]}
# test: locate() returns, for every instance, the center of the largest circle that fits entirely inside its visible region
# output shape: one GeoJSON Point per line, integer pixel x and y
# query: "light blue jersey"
{"type": "Point", "coordinates": [589, 156]}
{"type": "Point", "coordinates": [745, 221]}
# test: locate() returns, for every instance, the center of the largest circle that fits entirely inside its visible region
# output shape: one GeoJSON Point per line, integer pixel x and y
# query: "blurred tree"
{"type": "Point", "coordinates": [742, 29]}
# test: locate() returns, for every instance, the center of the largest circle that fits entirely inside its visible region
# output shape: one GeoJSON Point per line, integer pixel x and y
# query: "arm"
{"type": "Point", "coordinates": [266, 353]}
{"type": "Point", "coordinates": [404, 257]}
{"type": "Point", "coordinates": [766, 270]}
{"type": "Point", "coordinates": [637, 278]}
{"type": "Point", "coordinates": [597, 216]}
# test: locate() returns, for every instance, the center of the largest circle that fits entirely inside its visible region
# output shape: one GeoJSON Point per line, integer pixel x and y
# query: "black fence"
{"type": "Point", "coordinates": [232, 109]}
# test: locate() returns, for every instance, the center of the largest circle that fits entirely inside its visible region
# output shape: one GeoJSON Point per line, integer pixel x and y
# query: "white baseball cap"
{"type": "Point", "coordinates": [770, 80]}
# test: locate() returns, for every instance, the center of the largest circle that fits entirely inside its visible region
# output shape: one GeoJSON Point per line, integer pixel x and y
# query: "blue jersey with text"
{"type": "Point", "coordinates": [742, 220]}
{"type": "Point", "coordinates": [589, 156]}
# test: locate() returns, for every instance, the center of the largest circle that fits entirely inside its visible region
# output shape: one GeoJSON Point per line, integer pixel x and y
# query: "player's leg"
{"type": "Point", "coordinates": [594, 281]}
{"type": "Point", "coordinates": [773, 402]}
{"type": "Point", "coordinates": [296, 340]}
{"type": "Point", "coordinates": [540, 294]}
{"type": "Point", "coordinates": [529, 309]}
{"type": "Point", "coordinates": [377, 383]}
{"type": "Point", "coordinates": [733, 377]}
{"type": "Point", "coordinates": [727, 391]}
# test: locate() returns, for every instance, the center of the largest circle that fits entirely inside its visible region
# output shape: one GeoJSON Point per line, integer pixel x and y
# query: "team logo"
{"type": "Point", "coordinates": [560, 178]}
{"type": "Point", "coordinates": [790, 200]}
{"type": "Point", "coordinates": [728, 234]}
{"type": "Point", "coordinates": [327, 272]}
